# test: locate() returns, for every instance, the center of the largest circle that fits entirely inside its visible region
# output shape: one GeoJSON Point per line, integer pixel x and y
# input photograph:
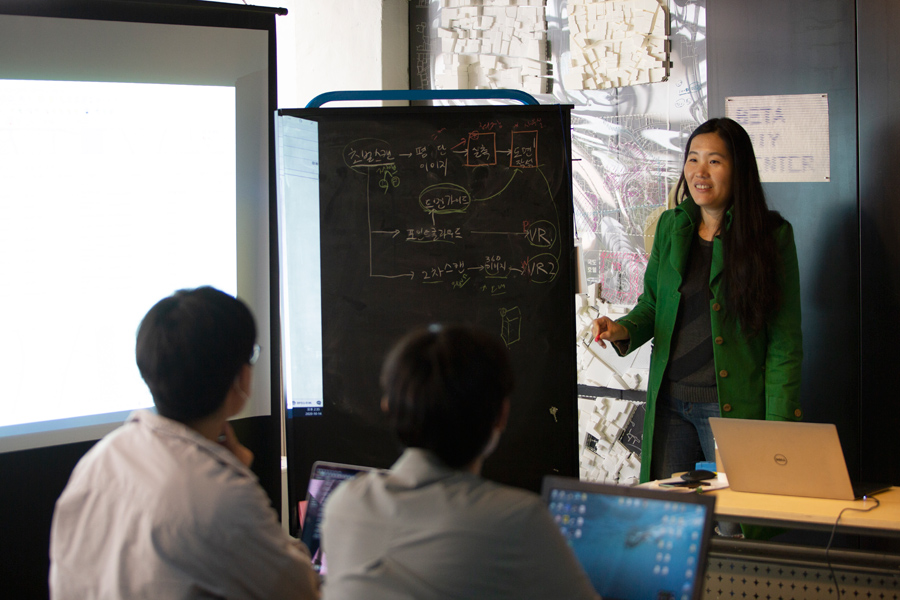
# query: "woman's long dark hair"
{"type": "Point", "coordinates": [751, 255]}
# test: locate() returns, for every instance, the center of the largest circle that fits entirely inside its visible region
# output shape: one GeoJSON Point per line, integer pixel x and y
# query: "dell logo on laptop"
{"type": "Point", "coordinates": [780, 459]}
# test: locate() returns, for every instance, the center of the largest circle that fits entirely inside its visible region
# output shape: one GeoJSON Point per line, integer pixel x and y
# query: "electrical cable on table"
{"type": "Point", "coordinates": [837, 586]}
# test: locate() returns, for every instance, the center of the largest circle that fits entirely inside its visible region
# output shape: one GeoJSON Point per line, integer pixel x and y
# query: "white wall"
{"type": "Point", "coordinates": [336, 45]}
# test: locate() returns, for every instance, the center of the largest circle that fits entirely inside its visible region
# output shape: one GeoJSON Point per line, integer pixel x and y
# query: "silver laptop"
{"type": "Point", "coordinates": [634, 543]}
{"type": "Point", "coordinates": [787, 458]}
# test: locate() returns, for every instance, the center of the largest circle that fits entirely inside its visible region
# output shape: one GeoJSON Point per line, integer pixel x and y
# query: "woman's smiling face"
{"type": "Point", "coordinates": [708, 172]}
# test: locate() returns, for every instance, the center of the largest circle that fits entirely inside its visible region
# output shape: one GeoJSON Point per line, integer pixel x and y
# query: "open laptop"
{"type": "Point", "coordinates": [323, 479]}
{"type": "Point", "coordinates": [634, 543]}
{"type": "Point", "coordinates": [788, 458]}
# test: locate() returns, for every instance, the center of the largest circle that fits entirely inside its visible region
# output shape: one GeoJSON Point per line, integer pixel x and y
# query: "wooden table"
{"type": "Point", "coordinates": [813, 513]}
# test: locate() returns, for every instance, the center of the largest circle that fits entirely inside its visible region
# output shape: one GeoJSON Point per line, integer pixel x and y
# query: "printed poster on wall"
{"type": "Point", "coordinates": [789, 133]}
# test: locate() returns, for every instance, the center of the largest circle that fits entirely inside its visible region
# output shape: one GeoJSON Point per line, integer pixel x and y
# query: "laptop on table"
{"type": "Point", "coordinates": [634, 543]}
{"type": "Point", "coordinates": [786, 458]}
{"type": "Point", "coordinates": [323, 479]}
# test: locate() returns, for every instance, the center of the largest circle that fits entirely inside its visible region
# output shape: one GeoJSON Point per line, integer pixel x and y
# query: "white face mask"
{"type": "Point", "coordinates": [241, 392]}
{"type": "Point", "coordinates": [492, 443]}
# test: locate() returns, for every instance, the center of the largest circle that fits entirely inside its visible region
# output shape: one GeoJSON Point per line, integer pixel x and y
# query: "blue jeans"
{"type": "Point", "coordinates": [682, 436]}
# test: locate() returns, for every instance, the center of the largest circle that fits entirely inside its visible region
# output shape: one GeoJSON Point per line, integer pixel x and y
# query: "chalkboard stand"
{"type": "Point", "coordinates": [417, 95]}
{"type": "Point", "coordinates": [453, 214]}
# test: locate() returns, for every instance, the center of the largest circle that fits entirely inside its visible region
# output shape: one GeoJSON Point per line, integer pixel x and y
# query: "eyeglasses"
{"type": "Point", "coordinates": [255, 355]}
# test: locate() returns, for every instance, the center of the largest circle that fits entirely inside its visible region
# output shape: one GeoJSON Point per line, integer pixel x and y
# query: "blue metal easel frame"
{"type": "Point", "coordinates": [412, 95]}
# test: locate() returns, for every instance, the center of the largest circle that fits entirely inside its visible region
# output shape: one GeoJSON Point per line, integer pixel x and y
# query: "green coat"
{"type": "Point", "coordinates": [757, 378]}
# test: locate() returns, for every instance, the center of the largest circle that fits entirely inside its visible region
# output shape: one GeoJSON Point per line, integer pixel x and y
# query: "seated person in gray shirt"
{"type": "Point", "coordinates": [166, 506]}
{"type": "Point", "coordinates": [431, 527]}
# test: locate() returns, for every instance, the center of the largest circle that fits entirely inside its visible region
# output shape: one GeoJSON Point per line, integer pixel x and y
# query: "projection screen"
{"type": "Point", "coordinates": [134, 161]}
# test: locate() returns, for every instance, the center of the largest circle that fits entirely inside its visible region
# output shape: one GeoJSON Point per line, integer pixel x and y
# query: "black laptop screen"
{"type": "Point", "coordinates": [324, 478]}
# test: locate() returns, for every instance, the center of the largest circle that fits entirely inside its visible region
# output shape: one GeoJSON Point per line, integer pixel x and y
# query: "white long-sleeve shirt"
{"type": "Point", "coordinates": [155, 510]}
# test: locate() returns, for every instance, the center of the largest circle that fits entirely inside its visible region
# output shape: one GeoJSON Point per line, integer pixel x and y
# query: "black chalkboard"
{"type": "Point", "coordinates": [453, 215]}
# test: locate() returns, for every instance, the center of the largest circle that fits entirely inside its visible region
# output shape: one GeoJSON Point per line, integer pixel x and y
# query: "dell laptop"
{"type": "Point", "coordinates": [787, 458]}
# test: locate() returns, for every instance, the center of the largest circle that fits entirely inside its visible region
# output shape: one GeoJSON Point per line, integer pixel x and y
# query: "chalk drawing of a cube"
{"type": "Point", "coordinates": [510, 326]}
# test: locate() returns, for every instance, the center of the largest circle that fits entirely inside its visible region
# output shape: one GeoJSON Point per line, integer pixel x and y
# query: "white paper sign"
{"type": "Point", "coordinates": [789, 133]}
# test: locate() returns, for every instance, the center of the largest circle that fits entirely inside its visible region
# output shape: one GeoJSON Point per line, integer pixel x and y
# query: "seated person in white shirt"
{"type": "Point", "coordinates": [166, 506]}
{"type": "Point", "coordinates": [431, 527]}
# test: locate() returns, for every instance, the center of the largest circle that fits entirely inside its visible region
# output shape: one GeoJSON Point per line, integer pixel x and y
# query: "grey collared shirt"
{"type": "Point", "coordinates": [155, 510]}
{"type": "Point", "coordinates": [425, 531]}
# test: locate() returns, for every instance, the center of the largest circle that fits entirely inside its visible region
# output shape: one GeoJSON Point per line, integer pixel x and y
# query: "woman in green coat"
{"type": "Point", "coordinates": [721, 301]}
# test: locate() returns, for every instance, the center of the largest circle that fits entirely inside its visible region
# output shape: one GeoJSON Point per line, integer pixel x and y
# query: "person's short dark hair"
{"type": "Point", "coordinates": [191, 347]}
{"type": "Point", "coordinates": [445, 387]}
